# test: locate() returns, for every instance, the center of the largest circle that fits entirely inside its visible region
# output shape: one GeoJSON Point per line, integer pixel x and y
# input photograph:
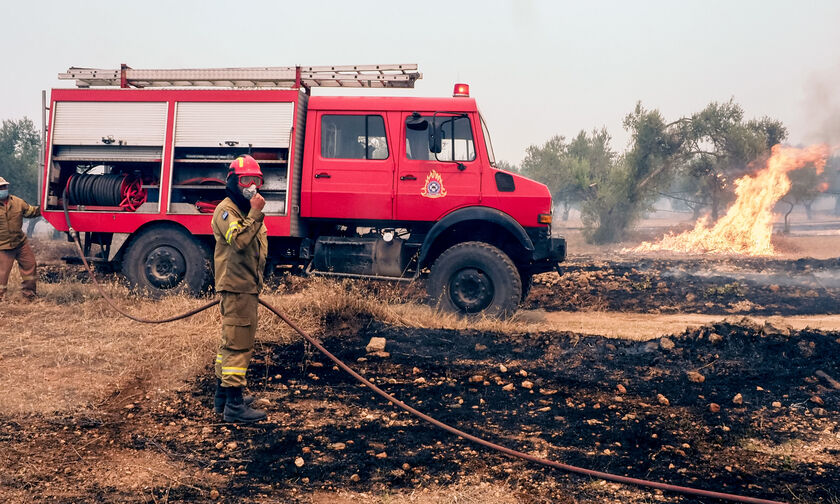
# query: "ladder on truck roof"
{"type": "Point", "coordinates": [373, 76]}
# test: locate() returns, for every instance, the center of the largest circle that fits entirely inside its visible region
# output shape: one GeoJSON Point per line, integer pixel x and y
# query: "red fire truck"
{"type": "Point", "coordinates": [393, 188]}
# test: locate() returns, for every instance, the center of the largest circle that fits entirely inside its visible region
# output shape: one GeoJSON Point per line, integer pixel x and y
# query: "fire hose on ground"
{"type": "Point", "coordinates": [396, 402]}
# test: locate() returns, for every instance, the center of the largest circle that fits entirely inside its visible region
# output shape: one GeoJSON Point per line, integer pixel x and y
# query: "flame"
{"type": "Point", "coordinates": [748, 224]}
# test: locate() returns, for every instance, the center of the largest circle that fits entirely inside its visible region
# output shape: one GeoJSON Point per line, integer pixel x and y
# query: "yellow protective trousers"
{"type": "Point", "coordinates": [25, 257]}
{"type": "Point", "coordinates": [239, 326]}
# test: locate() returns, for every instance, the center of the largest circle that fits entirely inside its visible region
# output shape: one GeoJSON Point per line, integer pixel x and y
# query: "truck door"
{"type": "Point", "coordinates": [353, 169]}
{"type": "Point", "coordinates": [430, 185]}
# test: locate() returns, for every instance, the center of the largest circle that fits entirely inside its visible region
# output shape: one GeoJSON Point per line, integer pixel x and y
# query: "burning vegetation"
{"type": "Point", "coordinates": [748, 224]}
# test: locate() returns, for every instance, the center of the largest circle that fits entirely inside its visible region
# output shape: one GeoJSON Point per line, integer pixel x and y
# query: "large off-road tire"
{"type": "Point", "coordinates": [475, 278]}
{"type": "Point", "coordinates": [163, 261]}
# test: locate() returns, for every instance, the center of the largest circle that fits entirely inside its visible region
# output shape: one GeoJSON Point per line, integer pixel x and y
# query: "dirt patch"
{"type": "Point", "coordinates": [627, 407]}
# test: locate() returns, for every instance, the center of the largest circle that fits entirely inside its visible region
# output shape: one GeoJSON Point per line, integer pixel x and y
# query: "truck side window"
{"type": "Point", "coordinates": [456, 142]}
{"type": "Point", "coordinates": [353, 137]}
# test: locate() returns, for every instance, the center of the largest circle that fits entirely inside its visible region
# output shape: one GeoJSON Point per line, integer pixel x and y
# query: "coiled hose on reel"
{"type": "Point", "coordinates": [112, 190]}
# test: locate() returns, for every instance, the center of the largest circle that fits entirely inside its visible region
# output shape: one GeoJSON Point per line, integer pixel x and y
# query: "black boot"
{"type": "Point", "coordinates": [237, 411]}
{"type": "Point", "coordinates": [221, 398]}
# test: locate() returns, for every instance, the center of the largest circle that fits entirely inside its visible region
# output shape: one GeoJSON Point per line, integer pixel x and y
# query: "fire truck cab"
{"type": "Point", "coordinates": [378, 187]}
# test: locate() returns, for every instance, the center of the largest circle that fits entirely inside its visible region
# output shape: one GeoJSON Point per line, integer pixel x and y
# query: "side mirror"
{"type": "Point", "coordinates": [434, 137]}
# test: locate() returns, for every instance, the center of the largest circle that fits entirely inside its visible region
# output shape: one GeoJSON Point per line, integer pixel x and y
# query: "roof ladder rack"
{"type": "Point", "coordinates": [357, 76]}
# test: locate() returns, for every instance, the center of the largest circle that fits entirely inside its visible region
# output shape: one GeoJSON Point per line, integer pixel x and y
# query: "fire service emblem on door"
{"type": "Point", "coordinates": [433, 188]}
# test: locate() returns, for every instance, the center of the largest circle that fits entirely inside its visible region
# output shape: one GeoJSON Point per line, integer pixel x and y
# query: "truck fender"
{"type": "Point", "coordinates": [476, 213]}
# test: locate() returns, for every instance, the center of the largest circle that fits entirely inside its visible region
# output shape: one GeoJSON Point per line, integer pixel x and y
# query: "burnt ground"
{"type": "Point", "coordinates": [733, 406]}
{"type": "Point", "coordinates": [756, 286]}
{"type": "Point", "coordinates": [611, 405]}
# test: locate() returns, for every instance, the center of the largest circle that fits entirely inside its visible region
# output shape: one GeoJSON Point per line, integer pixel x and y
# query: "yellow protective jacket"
{"type": "Point", "coordinates": [241, 248]}
{"type": "Point", "coordinates": [12, 213]}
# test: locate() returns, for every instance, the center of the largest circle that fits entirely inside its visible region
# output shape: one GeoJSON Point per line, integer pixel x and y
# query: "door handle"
{"type": "Point", "coordinates": [408, 177]}
{"type": "Point", "coordinates": [322, 175]}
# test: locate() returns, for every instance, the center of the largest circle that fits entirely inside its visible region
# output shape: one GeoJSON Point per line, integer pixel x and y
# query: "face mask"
{"type": "Point", "coordinates": [250, 191]}
{"type": "Point", "coordinates": [4, 193]}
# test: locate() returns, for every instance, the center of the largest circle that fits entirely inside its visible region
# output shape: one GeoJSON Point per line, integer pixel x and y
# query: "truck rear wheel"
{"type": "Point", "coordinates": [475, 278]}
{"type": "Point", "coordinates": [167, 261]}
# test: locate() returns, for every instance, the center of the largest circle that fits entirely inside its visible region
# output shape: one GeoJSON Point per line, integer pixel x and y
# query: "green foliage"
{"type": "Point", "coordinates": [506, 166]}
{"type": "Point", "coordinates": [20, 145]}
{"type": "Point", "coordinates": [570, 169]}
{"type": "Point", "coordinates": [634, 180]}
{"type": "Point", "coordinates": [698, 155]}
{"type": "Point", "coordinates": [719, 148]}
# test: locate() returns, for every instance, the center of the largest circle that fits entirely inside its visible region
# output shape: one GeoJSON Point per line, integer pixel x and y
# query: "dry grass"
{"type": "Point", "coordinates": [469, 491]}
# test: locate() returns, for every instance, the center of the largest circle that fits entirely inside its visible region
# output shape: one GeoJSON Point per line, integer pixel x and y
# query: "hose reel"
{"type": "Point", "coordinates": [112, 190]}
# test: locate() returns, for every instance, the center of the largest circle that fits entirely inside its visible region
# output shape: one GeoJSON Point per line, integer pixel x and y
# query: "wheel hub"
{"type": "Point", "coordinates": [165, 267]}
{"type": "Point", "coordinates": [471, 290]}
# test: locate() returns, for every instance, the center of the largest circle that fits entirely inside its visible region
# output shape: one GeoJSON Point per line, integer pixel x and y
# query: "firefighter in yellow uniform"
{"type": "Point", "coordinates": [13, 243]}
{"type": "Point", "coordinates": [241, 246]}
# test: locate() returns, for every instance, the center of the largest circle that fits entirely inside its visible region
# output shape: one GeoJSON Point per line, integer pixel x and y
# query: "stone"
{"type": "Point", "coordinates": [299, 461]}
{"type": "Point", "coordinates": [663, 400]}
{"type": "Point", "coordinates": [503, 368]}
{"type": "Point", "coordinates": [819, 412]}
{"type": "Point", "coordinates": [375, 345]}
{"type": "Point", "coordinates": [262, 403]}
{"type": "Point", "coordinates": [523, 373]}
{"type": "Point", "coordinates": [666, 344]}
{"type": "Point", "coordinates": [695, 377]}
{"type": "Point", "coordinates": [381, 354]}
{"type": "Point", "coordinates": [776, 326]}
{"type": "Point", "coordinates": [338, 446]}
{"type": "Point", "coordinates": [690, 297]}
{"type": "Point", "coordinates": [776, 404]}
{"type": "Point", "coordinates": [508, 387]}
{"type": "Point", "coordinates": [621, 389]}
{"type": "Point", "coordinates": [817, 400]}
{"type": "Point", "coordinates": [714, 407]}
{"type": "Point", "coordinates": [232, 445]}
{"type": "Point", "coordinates": [382, 455]}
{"type": "Point", "coordinates": [715, 338]}
{"type": "Point", "coordinates": [480, 348]}
{"type": "Point", "coordinates": [214, 494]}
{"type": "Point", "coordinates": [355, 478]}
{"type": "Point", "coordinates": [476, 379]}
{"type": "Point", "coordinates": [419, 381]}
{"type": "Point", "coordinates": [415, 370]}
{"type": "Point", "coordinates": [527, 385]}
{"type": "Point", "coordinates": [738, 399]}
{"type": "Point", "coordinates": [545, 391]}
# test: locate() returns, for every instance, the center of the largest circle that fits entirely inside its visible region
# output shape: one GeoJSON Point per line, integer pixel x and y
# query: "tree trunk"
{"type": "Point", "coordinates": [566, 207]}
{"type": "Point", "coordinates": [837, 206]}
{"type": "Point", "coordinates": [786, 229]}
{"type": "Point", "coordinates": [809, 215]}
{"type": "Point", "coordinates": [715, 204]}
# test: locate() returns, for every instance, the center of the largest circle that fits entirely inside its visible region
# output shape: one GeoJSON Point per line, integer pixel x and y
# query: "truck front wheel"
{"type": "Point", "coordinates": [475, 278]}
{"type": "Point", "coordinates": [163, 261]}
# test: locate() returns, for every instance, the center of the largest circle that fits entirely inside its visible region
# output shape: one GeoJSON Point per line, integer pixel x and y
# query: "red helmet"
{"type": "Point", "coordinates": [247, 169]}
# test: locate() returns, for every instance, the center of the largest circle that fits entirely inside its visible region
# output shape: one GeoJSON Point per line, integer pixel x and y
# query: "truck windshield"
{"type": "Point", "coordinates": [490, 155]}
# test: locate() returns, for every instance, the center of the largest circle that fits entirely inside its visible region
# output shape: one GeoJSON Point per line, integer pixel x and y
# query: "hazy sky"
{"type": "Point", "coordinates": [536, 68]}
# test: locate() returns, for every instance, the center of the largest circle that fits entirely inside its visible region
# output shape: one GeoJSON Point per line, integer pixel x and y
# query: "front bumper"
{"type": "Point", "coordinates": [548, 251]}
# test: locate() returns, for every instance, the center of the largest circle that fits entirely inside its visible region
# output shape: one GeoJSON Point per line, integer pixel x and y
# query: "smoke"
{"type": "Point", "coordinates": [822, 107]}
